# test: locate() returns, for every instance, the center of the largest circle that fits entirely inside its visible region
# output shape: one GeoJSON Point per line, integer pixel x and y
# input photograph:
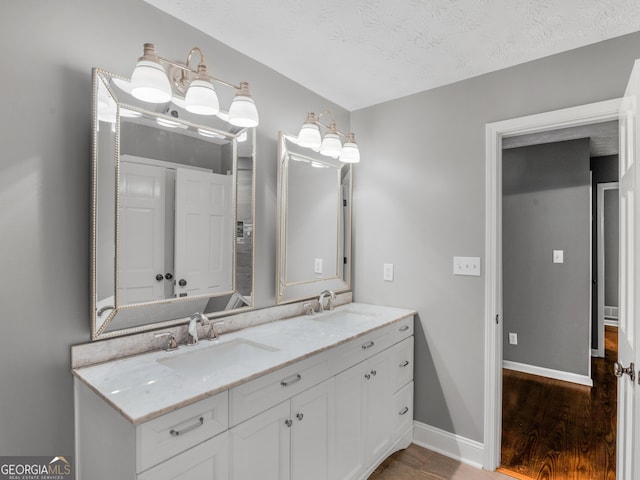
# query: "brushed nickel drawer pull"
{"type": "Point", "coordinates": [404, 364]}
{"type": "Point", "coordinates": [175, 433]}
{"type": "Point", "coordinates": [291, 380]}
{"type": "Point", "coordinates": [404, 328]}
{"type": "Point", "coordinates": [403, 411]}
{"type": "Point", "coordinates": [368, 345]}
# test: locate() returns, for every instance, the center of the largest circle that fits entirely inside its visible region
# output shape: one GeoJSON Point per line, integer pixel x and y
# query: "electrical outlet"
{"type": "Point", "coordinates": [513, 338]}
{"type": "Point", "coordinates": [317, 265]}
{"type": "Point", "coordinates": [387, 274]}
{"type": "Point", "coordinates": [558, 256]}
{"type": "Point", "coordinates": [466, 266]}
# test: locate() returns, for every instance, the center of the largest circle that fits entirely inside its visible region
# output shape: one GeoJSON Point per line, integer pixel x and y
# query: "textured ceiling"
{"type": "Point", "coordinates": [357, 53]}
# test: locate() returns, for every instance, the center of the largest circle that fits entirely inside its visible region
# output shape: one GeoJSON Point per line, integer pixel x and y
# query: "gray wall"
{"type": "Point", "coordinates": [546, 207]}
{"type": "Point", "coordinates": [611, 246]}
{"type": "Point", "coordinates": [419, 200]}
{"type": "Point", "coordinates": [48, 51]}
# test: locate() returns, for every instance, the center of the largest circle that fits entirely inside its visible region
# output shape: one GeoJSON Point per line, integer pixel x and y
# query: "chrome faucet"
{"type": "Point", "coordinates": [170, 344]}
{"type": "Point", "coordinates": [213, 333]}
{"type": "Point", "coordinates": [192, 330]}
{"type": "Point", "coordinates": [332, 296]}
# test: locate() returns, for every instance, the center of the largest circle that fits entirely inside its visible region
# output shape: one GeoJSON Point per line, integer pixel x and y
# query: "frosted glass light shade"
{"type": "Point", "coordinates": [331, 145]}
{"type": "Point", "coordinates": [243, 112]}
{"type": "Point", "coordinates": [350, 152]}
{"type": "Point", "coordinates": [149, 83]}
{"type": "Point", "coordinates": [209, 133]}
{"type": "Point", "coordinates": [167, 123]}
{"type": "Point", "coordinates": [201, 98]}
{"type": "Point", "coordinates": [309, 136]}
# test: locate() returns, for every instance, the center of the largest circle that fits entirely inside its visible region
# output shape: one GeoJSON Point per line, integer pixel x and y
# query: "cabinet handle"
{"type": "Point", "coordinates": [175, 433]}
{"type": "Point", "coordinates": [288, 422]}
{"type": "Point", "coordinates": [403, 411]}
{"type": "Point", "coordinates": [373, 373]}
{"type": "Point", "coordinates": [404, 364]}
{"type": "Point", "coordinates": [299, 416]}
{"type": "Point", "coordinates": [368, 345]}
{"type": "Point", "coordinates": [291, 380]}
{"type": "Point", "coordinates": [404, 328]}
{"type": "Point", "coordinates": [367, 376]}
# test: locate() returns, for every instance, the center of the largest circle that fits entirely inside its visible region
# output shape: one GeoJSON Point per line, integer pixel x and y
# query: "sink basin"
{"type": "Point", "coordinates": [344, 317]}
{"type": "Point", "coordinates": [204, 361]}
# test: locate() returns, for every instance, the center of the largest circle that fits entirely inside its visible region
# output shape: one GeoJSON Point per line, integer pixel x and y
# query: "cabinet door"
{"type": "Point", "coordinates": [311, 432]}
{"type": "Point", "coordinates": [260, 446]}
{"type": "Point", "coordinates": [347, 449]}
{"type": "Point", "coordinates": [378, 398]}
{"type": "Point", "coordinates": [207, 461]}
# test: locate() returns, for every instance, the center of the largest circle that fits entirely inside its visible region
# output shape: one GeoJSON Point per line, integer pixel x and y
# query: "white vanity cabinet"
{"type": "Point", "coordinates": [289, 441]}
{"type": "Point", "coordinates": [188, 443]}
{"type": "Point", "coordinates": [206, 461]}
{"type": "Point", "coordinates": [371, 413]}
{"type": "Point", "coordinates": [334, 412]}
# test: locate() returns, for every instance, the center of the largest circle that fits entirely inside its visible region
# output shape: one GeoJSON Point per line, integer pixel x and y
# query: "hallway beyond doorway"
{"type": "Point", "coordinates": [558, 430]}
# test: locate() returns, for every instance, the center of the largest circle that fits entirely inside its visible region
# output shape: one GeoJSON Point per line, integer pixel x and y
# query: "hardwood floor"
{"type": "Point", "coordinates": [417, 463]}
{"type": "Point", "coordinates": [555, 430]}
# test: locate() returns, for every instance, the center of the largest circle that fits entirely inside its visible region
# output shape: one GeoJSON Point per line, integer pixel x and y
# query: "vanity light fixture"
{"type": "Point", "coordinates": [158, 80]}
{"type": "Point", "coordinates": [329, 145]}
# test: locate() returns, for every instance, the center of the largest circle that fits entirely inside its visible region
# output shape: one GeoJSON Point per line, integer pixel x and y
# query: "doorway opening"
{"type": "Point", "coordinates": [496, 132]}
{"type": "Point", "coordinates": [559, 404]}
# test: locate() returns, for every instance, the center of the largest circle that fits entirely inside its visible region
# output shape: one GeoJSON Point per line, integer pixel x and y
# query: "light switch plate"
{"type": "Point", "coordinates": [387, 275]}
{"type": "Point", "coordinates": [317, 268]}
{"type": "Point", "coordinates": [466, 266]}
{"type": "Point", "coordinates": [513, 338]}
{"type": "Point", "coordinates": [558, 256]}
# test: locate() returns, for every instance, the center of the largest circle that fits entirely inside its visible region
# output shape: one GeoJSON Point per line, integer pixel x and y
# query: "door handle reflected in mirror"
{"type": "Point", "coordinates": [182, 282]}
{"type": "Point", "coordinates": [159, 277]}
{"type": "Point", "coordinates": [619, 370]}
{"type": "Point", "coordinates": [168, 276]}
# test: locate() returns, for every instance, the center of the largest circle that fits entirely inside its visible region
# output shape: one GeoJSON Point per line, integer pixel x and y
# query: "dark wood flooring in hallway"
{"type": "Point", "coordinates": [553, 430]}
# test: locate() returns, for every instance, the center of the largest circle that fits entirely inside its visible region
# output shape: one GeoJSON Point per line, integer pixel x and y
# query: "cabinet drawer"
{"type": "Point", "coordinates": [258, 395]}
{"type": "Point", "coordinates": [175, 432]}
{"type": "Point", "coordinates": [209, 460]}
{"type": "Point", "coordinates": [359, 349]}
{"type": "Point", "coordinates": [402, 363]}
{"type": "Point", "coordinates": [402, 411]}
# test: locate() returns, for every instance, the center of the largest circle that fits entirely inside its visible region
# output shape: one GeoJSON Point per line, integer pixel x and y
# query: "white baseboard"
{"type": "Point", "coordinates": [611, 322]}
{"type": "Point", "coordinates": [548, 372]}
{"type": "Point", "coordinates": [449, 444]}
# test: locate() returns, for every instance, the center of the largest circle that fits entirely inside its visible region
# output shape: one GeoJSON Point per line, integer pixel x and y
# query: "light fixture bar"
{"type": "Point", "coordinates": [331, 146]}
{"type": "Point", "coordinates": [155, 79]}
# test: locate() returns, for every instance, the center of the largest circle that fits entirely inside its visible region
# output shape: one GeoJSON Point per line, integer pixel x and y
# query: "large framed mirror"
{"type": "Point", "coordinates": [172, 213]}
{"type": "Point", "coordinates": [314, 222]}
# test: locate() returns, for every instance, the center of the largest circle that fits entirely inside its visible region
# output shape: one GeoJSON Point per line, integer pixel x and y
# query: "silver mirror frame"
{"type": "Point", "coordinates": [286, 291]}
{"type": "Point", "coordinates": [176, 309]}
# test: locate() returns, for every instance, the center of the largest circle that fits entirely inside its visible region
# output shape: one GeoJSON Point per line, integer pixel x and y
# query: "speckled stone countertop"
{"type": "Point", "coordinates": [142, 387]}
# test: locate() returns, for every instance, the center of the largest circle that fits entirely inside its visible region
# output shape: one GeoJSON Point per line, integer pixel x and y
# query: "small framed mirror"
{"type": "Point", "coordinates": [314, 222]}
{"type": "Point", "coordinates": [172, 212]}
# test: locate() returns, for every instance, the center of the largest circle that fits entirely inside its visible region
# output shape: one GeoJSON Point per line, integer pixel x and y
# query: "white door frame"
{"type": "Point", "coordinates": [495, 132]}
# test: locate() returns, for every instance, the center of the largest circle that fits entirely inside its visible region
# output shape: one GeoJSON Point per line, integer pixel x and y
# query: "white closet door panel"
{"type": "Point", "coordinates": [142, 223]}
{"type": "Point", "coordinates": [204, 233]}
